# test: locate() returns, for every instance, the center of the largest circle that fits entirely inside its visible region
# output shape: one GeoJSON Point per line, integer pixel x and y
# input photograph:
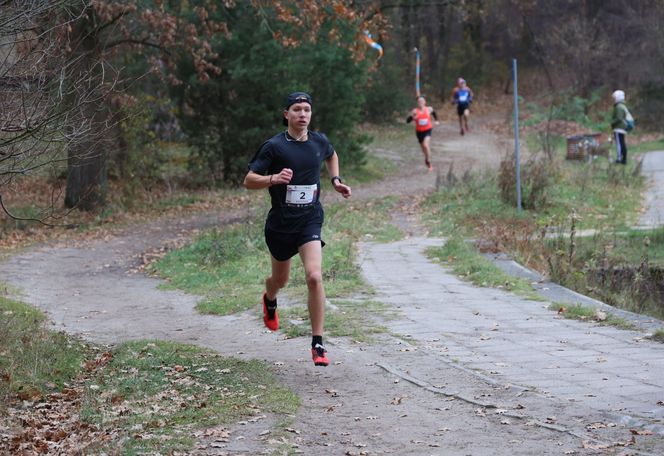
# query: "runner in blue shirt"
{"type": "Point", "coordinates": [462, 97]}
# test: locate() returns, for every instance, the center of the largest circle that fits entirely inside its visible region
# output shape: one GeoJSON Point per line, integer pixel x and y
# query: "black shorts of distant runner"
{"type": "Point", "coordinates": [461, 108]}
{"type": "Point", "coordinates": [422, 134]}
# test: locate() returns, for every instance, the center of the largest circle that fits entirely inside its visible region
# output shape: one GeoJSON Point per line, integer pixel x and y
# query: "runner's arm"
{"type": "Point", "coordinates": [255, 181]}
{"type": "Point", "coordinates": [410, 118]}
{"type": "Point", "coordinates": [332, 165]}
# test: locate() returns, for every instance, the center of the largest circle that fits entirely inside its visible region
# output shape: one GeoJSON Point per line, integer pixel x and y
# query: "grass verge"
{"type": "Point", "coordinates": [229, 266]}
{"type": "Point", "coordinates": [584, 313]}
{"type": "Point", "coordinates": [62, 396]}
{"type": "Point", "coordinates": [647, 146]}
{"type": "Point", "coordinates": [570, 197]}
{"type": "Point", "coordinates": [658, 336]}
{"type": "Point", "coordinates": [602, 196]}
{"type": "Point", "coordinates": [33, 360]}
{"type": "Point", "coordinates": [156, 393]}
{"type": "Point", "coordinates": [624, 269]}
{"type": "Point", "coordinates": [469, 264]}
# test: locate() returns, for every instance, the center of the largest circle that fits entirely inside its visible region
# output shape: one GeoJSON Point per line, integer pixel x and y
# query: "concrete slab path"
{"type": "Point", "coordinates": [510, 340]}
{"type": "Point", "coordinates": [653, 170]}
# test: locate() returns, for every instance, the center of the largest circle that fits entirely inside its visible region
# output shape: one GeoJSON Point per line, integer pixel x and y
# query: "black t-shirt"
{"type": "Point", "coordinates": [293, 207]}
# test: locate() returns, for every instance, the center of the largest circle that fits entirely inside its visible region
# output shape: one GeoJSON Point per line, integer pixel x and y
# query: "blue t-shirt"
{"type": "Point", "coordinates": [305, 159]}
{"type": "Point", "coordinates": [463, 96]}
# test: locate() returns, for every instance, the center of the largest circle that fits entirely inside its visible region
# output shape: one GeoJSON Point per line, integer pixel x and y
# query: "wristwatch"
{"type": "Point", "coordinates": [335, 178]}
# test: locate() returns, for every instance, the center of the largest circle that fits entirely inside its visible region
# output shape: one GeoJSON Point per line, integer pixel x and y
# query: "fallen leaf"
{"type": "Point", "coordinates": [330, 408]}
{"type": "Point", "coordinates": [593, 426]}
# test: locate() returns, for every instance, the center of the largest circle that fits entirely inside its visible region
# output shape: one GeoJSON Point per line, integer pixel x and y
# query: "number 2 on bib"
{"type": "Point", "coordinates": [301, 194]}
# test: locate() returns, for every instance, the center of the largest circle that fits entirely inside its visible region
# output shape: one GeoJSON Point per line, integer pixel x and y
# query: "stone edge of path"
{"type": "Point", "coordinates": [557, 293]}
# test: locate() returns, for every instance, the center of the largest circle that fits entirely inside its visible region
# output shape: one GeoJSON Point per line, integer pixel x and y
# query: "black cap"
{"type": "Point", "coordinates": [298, 97]}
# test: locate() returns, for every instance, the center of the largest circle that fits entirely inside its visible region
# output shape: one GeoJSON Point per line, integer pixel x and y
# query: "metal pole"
{"type": "Point", "coordinates": [516, 137]}
{"type": "Point", "coordinates": [417, 72]}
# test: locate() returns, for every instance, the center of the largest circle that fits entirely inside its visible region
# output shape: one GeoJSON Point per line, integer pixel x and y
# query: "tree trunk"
{"type": "Point", "coordinates": [444, 37]}
{"type": "Point", "coordinates": [86, 155]}
{"type": "Point", "coordinates": [86, 169]}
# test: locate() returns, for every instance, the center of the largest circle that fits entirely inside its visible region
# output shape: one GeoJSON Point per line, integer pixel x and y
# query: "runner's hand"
{"type": "Point", "coordinates": [342, 188]}
{"type": "Point", "coordinates": [284, 176]}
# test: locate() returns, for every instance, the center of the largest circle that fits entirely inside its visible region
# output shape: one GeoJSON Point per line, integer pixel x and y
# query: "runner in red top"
{"type": "Point", "coordinates": [423, 126]}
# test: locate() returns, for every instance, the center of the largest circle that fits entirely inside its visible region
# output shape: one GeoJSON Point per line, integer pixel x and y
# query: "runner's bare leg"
{"type": "Point", "coordinates": [278, 279]}
{"type": "Point", "coordinates": [426, 149]}
{"type": "Point", "coordinates": [311, 254]}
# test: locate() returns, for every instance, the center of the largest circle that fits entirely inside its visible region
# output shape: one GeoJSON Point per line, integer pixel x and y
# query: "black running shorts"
{"type": "Point", "coordinates": [284, 246]}
{"type": "Point", "coordinates": [461, 108]}
{"type": "Point", "coordinates": [422, 134]}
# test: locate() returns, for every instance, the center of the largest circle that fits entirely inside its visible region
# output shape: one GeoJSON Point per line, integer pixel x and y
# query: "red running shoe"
{"type": "Point", "coordinates": [319, 355]}
{"type": "Point", "coordinates": [270, 323]}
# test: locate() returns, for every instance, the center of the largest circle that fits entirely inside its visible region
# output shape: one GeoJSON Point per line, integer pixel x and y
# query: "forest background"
{"type": "Point", "coordinates": [108, 95]}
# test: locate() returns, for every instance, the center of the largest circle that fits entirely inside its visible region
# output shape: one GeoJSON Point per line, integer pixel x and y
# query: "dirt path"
{"type": "Point", "coordinates": [392, 397]}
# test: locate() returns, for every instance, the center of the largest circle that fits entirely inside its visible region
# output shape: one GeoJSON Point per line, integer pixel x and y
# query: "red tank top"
{"type": "Point", "coordinates": [422, 119]}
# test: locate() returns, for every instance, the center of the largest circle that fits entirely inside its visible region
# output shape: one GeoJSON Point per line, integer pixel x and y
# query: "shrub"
{"type": "Point", "coordinates": [536, 177]}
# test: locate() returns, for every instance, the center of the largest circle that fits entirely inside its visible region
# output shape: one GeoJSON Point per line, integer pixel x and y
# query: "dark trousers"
{"type": "Point", "coordinates": [621, 148]}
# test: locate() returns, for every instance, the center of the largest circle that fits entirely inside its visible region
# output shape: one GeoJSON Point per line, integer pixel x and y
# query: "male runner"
{"type": "Point", "coordinates": [288, 164]}
{"type": "Point", "coordinates": [462, 96]}
{"type": "Point", "coordinates": [423, 126]}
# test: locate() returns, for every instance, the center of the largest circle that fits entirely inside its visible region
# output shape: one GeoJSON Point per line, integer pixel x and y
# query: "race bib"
{"type": "Point", "coordinates": [423, 122]}
{"type": "Point", "coordinates": [301, 194]}
{"type": "Point", "coordinates": [463, 97]}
